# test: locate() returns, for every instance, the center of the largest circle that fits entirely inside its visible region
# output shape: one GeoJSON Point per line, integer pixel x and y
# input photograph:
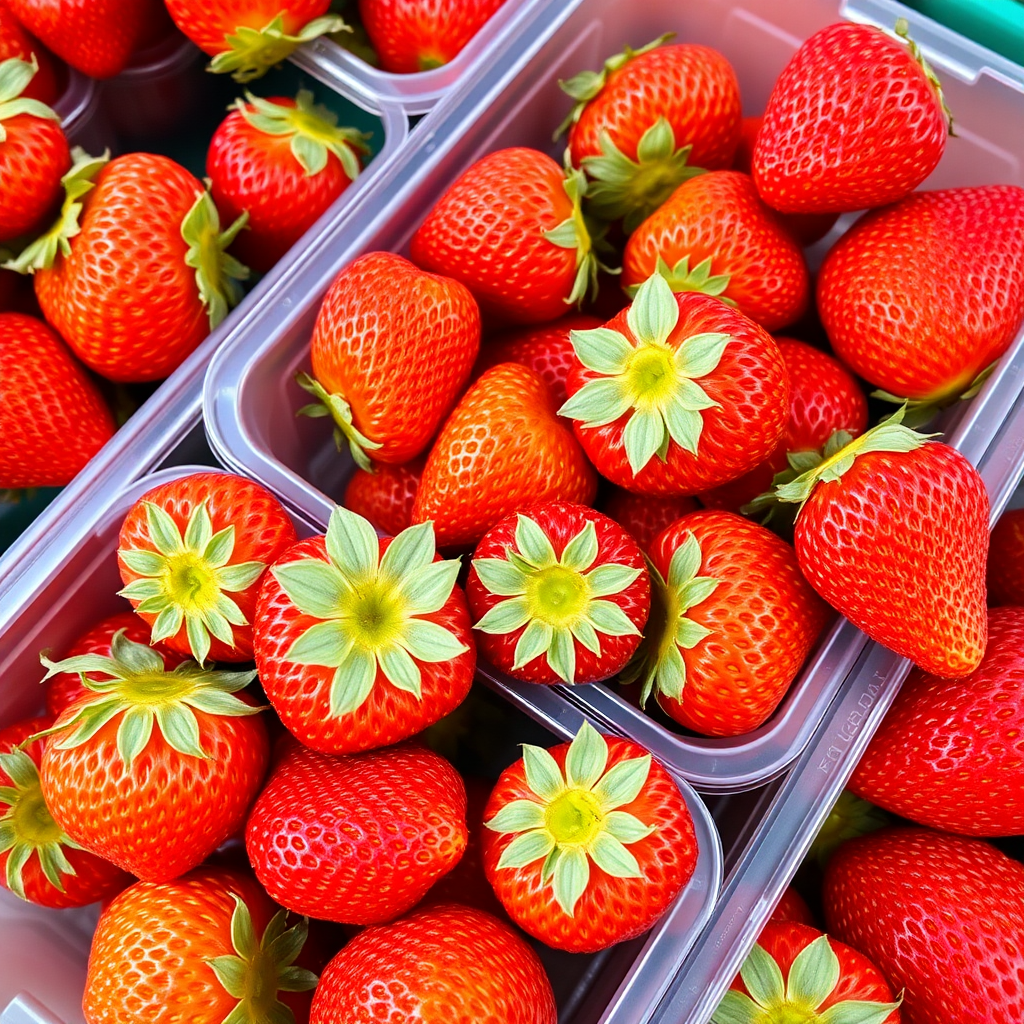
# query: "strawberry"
{"type": "Point", "coordinates": [34, 153]}
{"type": "Point", "coordinates": [133, 274]}
{"type": "Point", "coordinates": [647, 121]}
{"type": "Point", "coordinates": [375, 653]}
{"type": "Point", "coordinates": [897, 305]}
{"type": "Point", "coordinates": [211, 942]}
{"type": "Point", "coordinates": [418, 35]}
{"type": "Point", "coordinates": [284, 162]}
{"type": "Point", "coordinates": [732, 624]}
{"type": "Point", "coordinates": [437, 964]}
{"type": "Point", "coordinates": [187, 545]}
{"type": "Point", "coordinates": [511, 229]}
{"type": "Point", "coordinates": [856, 119]}
{"type": "Point", "coordinates": [941, 916]}
{"type": "Point", "coordinates": [893, 532]}
{"type": "Point", "coordinates": [16, 42]}
{"type": "Point", "coordinates": [792, 907]}
{"type": "Point", "coordinates": [1006, 560]}
{"type": "Point", "coordinates": [156, 768]}
{"type": "Point", "coordinates": [53, 419]}
{"type": "Point", "coordinates": [946, 754]}
{"type": "Point", "coordinates": [502, 448]}
{"type": "Point", "coordinates": [39, 862]}
{"type": "Point", "coordinates": [795, 972]}
{"type": "Point", "coordinates": [392, 348]}
{"type": "Point", "coordinates": [596, 801]}
{"type": "Point", "coordinates": [644, 516]}
{"type": "Point", "coordinates": [559, 593]}
{"type": "Point", "coordinates": [384, 495]}
{"type": "Point", "coordinates": [248, 37]}
{"type": "Point", "coordinates": [376, 830]}
{"type": "Point", "coordinates": [714, 235]}
{"type": "Point", "coordinates": [638, 409]}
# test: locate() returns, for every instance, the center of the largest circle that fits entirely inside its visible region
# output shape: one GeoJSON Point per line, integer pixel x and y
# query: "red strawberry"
{"type": "Point", "coordinates": [192, 553]}
{"type": "Point", "coordinates": [644, 516]}
{"type": "Point", "coordinates": [391, 350]}
{"type": "Point", "coordinates": [947, 753]}
{"type": "Point", "coordinates": [559, 593]}
{"type": "Point", "coordinates": [732, 624]}
{"type": "Point", "coordinates": [385, 494]}
{"type": "Point", "coordinates": [436, 964]}
{"type": "Point", "coordinates": [16, 42]}
{"type": "Point", "coordinates": [1006, 560]}
{"type": "Point", "coordinates": [375, 831]}
{"type": "Point", "coordinates": [39, 862]}
{"type": "Point", "coordinates": [856, 119]}
{"type": "Point", "coordinates": [511, 230]}
{"type": "Point", "coordinates": [284, 162]}
{"type": "Point", "coordinates": [641, 415]}
{"type": "Point", "coordinates": [584, 827]}
{"type": "Point", "coordinates": [418, 35]}
{"type": "Point", "coordinates": [648, 120]}
{"type": "Point", "coordinates": [792, 907]}
{"type": "Point", "coordinates": [942, 916]}
{"type": "Point", "coordinates": [714, 235]}
{"type": "Point", "coordinates": [362, 642]}
{"type": "Point", "coordinates": [502, 448]}
{"type": "Point", "coordinates": [895, 300]}
{"type": "Point", "coordinates": [53, 419]}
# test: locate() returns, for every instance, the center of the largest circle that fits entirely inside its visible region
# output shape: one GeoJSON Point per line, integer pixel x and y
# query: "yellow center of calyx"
{"type": "Point", "coordinates": [189, 582]}
{"type": "Point", "coordinates": [33, 822]}
{"type": "Point", "coordinates": [557, 595]}
{"type": "Point", "coordinates": [374, 614]}
{"type": "Point", "coordinates": [574, 818]}
{"type": "Point", "coordinates": [650, 376]}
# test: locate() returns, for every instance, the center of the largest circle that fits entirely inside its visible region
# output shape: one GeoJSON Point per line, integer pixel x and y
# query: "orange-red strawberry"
{"type": "Point", "coordinates": [376, 830]}
{"type": "Point", "coordinates": [16, 42]}
{"type": "Point", "coordinates": [503, 448]}
{"type": "Point", "coordinates": [360, 641]}
{"type": "Point", "coordinates": [587, 844]}
{"type": "Point", "coordinates": [1006, 560]}
{"type": "Point", "coordinates": [897, 304]}
{"type": "Point", "coordinates": [53, 419]}
{"type": "Point", "coordinates": [648, 120]}
{"type": "Point", "coordinates": [732, 624]}
{"type": "Point", "coordinates": [559, 593]}
{"type": "Point", "coordinates": [511, 229]}
{"type": "Point", "coordinates": [714, 235]}
{"type": "Point", "coordinates": [392, 347]}
{"type": "Point", "coordinates": [192, 554]}
{"type": "Point", "coordinates": [433, 965]}
{"type": "Point", "coordinates": [384, 494]}
{"type": "Point", "coordinates": [677, 393]}
{"type": "Point", "coordinates": [856, 119]}
{"type": "Point", "coordinates": [792, 907]}
{"type": "Point", "coordinates": [644, 516]}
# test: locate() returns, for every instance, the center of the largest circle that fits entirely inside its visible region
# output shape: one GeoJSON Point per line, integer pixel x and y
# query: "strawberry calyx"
{"type": "Point", "coordinates": [849, 818]}
{"type": "Point", "coordinates": [575, 818]}
{"type": "Point", "coordinates": [557, 599]}
{"type": "Point", "coordinates": [682, 279]}
{"type": "Point", "coordinates": [902, 33]}
{"type": "Point", "coordinates": [921, 411]}
{"type": "Point", "coordinates": [15, 75]}
{"type": "Point", "coordinates": [259, 970]}
{"type": "Point", "coordinates": [345, 431]}
{"type": "Point", "coordinates": [646, 378]}
{"type": "Point", "coordinates": [217, 272]}
{"type": "Point", "coordinates": [187, 579]}
{"type": "Point", "coordinates": [312, 129]}
{"type": "Point", "coordinates": [249, 53]}
{"type": "Point", "coordinates": [813, 977]}
{"type": "Point", "coordinates": [372, 609]}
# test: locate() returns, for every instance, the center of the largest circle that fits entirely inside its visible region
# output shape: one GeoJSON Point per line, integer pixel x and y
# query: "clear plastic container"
{"type": "Point", "coordinates": [83, 118]}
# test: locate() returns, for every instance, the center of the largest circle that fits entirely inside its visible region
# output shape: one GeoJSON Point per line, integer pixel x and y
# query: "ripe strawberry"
{"type": "Point", "coordinates": [53, 419]}
{"type": "Point", "coordinates": [362, 642]}
{"type": "Point", "coordinates": [1006, 560]}
{"type": "Point", "coordinates": [384, 495]}
{"type": "Point", "coordinates": [593, 801]}
{"type": "Point", "coordinates": [893, 532]}
{"type": "Point", "coordinates": [39, 862]}
{"type": "Point", "coordinates": [152, 786]}
{"type": "Point", "coordinates": [134, 274]}
{"type": "Point", "coordinates": [437, 964]}
{"type": "Point", "coordinates": [211, 942]}
{"type": "Point", "coordinates": [512, 231]}
{"type": "Point", "coordinates": [792, 907]}
{"type": "Point", "coordinates": [16, 42]}
{"type": "Point", "coordinates": [641, 415]}
{"type": "Point", "coordinates": [187, 545]}
{"type": "Point", "coordinates": [559, 593]}
{"type": "Point", "coordinates": [647, 121]}
{"type": "Point", "coordinates": [391, 350]}
{"type": "Point", "coordinates": [284, 162]}
{"type": "Point", "coordinates": [732, 624]}
{"type": "Point", "coordinates": [418, 35]}
{"type": "Point", "coordinates": [899, 309]}
{"type": "Point", "coordinates": [942, 916]}
{"type": "Point", "coordinates": [796, 972]}
{"type": "Point", "coordinates": [946, 755]}
{"type": "Point", "coordinates": [714, 235]}
{"type": "Point", "coordinates": [856, 119]}
{"type": "Point", "coordinates": [376, 830]}
{"type": "Point", "coordinates": [644, 516]}
{"type": "Point", "coordinates": [502, 448]}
